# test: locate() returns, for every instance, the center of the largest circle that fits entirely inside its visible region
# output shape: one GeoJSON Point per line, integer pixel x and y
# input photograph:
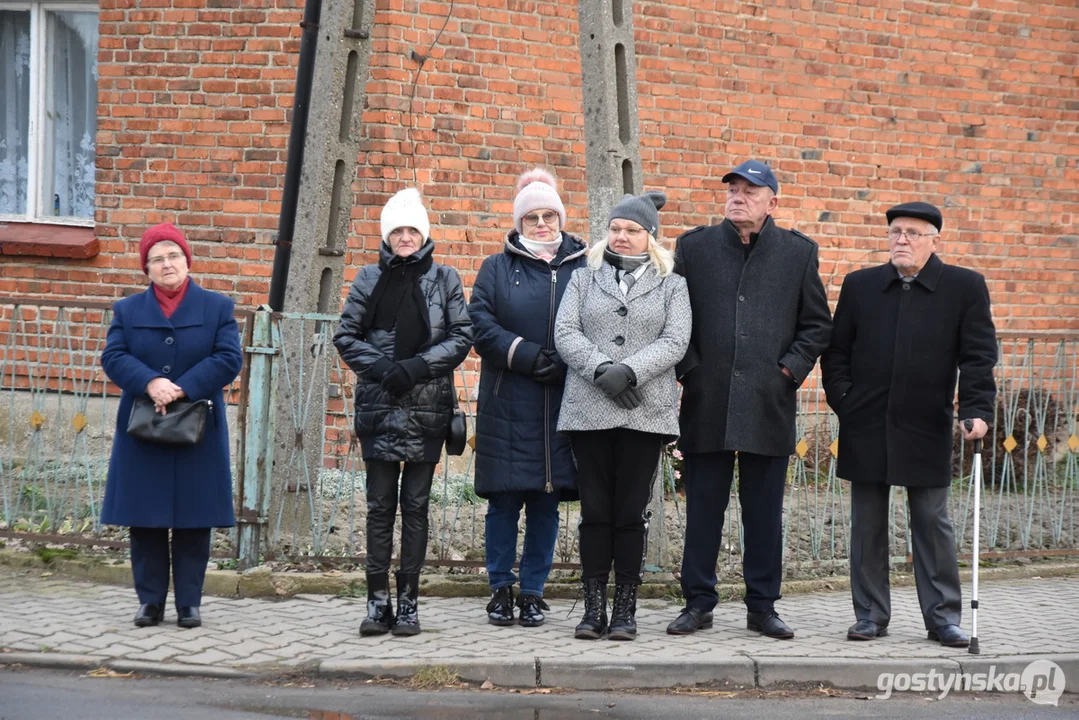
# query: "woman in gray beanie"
{"type": "Point", "coordinates": [623, 324]}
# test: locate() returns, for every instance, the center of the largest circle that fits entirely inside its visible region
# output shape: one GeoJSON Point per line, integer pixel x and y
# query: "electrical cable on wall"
{"type": "Point", "coordinates": [421, 59]}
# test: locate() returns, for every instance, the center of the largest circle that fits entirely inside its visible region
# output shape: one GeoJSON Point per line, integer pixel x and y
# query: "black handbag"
{"type": "Point", "coordinates": [184, 422]}
{"type": "Point", "coordinates": [458, 433]}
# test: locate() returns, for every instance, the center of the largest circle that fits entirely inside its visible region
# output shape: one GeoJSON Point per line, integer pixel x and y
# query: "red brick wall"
{"type": "Point", "coordinates": [857, 106]}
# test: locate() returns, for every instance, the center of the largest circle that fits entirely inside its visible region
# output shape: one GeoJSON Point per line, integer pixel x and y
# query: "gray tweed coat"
{"type": "Point", "coordinates": [648, 330]}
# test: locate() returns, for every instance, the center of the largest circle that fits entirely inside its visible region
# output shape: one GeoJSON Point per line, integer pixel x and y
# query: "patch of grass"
{"type": "Point", "coordinates": [47, 554]}
{"type": "Point", "coordinates": [434, 676]}
{"type": "Point", "coordinates": [228, 564]}
{"type": "Point", "coordinates": [354, 589]}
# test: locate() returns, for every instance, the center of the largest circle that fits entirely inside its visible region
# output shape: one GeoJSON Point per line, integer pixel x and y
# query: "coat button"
{"type": "Point", "coordinates": [906, 286]}
{"type": "Point", "coordinates": [619, 340]}
{"type": "Point", "coordinates": [738, 373]}
{"type": "Point", "coordinates": [166, 369]}
{"type": "Point", "coordinates": [622, 311]}
{"type": "Point", "coordinates": [168, 341]}
{"type": "Point", "coordinates": [741, 298]}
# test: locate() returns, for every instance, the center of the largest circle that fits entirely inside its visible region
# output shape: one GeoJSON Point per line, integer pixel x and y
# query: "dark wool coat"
{"type": "Point", "coordinates": [411, 427]}
{"type": "Point", "coordinates": [890, 371]}
{"type": "Point", "coordinates": [198, 348]}
{"type": "Point", "coordinates": [514, 303]}
{"type": "Point", "coordinates": [751, 318]}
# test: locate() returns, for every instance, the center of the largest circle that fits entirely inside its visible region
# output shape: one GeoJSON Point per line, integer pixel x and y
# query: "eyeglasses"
{"type": "Point", "coordinates": [615, 231]}
{"type": "Point", "coordinates": [895, 234]}
{"type": "Point", "coordinates": [173, 259]}
{"type": "Point", "coordinates": [548, 219]}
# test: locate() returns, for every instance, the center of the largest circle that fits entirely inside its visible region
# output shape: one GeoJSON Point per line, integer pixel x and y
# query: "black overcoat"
{"type": "Point", "coordinates": [890, 370]}
{"type": "Point", "coordinates": [751, 318]}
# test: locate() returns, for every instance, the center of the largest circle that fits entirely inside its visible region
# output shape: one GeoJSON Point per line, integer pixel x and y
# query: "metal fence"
{"type": "Point", "coordinates": [57, 418]}
{"type": "Point", "coordinates": [299, 475]}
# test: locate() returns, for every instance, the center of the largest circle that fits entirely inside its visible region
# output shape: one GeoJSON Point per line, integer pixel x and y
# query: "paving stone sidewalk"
{"type": "Point", "coordinates": [49, 614]}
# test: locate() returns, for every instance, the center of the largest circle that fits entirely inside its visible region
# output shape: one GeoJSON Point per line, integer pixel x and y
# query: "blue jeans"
{"type": "Point", "coordinates": [541, 532]}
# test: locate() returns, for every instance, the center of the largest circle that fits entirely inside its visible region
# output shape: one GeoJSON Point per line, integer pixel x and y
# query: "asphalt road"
{"type": "Point", "coordinates": [44, 695]}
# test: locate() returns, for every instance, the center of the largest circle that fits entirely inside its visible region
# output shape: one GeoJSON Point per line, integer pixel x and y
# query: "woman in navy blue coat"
{"type": "Point", "coordinates": [521, 462]}
{"type": "Point", "coordinates": [173, 341]}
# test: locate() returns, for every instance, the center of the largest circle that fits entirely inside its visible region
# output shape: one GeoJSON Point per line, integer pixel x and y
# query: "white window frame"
{"type": "Point", "coordinates": [38, 154]}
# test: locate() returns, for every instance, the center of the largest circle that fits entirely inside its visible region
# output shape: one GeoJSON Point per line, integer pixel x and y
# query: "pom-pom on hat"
{"type": "Point", "coordinates": [405, 209]}
{"type": "Point", "coordinates": [165, 232]}
{"type": "Point", "coordinates": [537, 189]}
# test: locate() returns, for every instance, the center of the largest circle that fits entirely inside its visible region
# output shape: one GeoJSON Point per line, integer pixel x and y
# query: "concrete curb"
{"type": "Point", "coordinates": [57, 661]}
{"type": "Point", "coordinates": [763, 672]}
{"type": "Point", "coordinates": [261, 582]}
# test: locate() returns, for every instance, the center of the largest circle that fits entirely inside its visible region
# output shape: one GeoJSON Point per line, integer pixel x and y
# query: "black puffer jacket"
{"type": "Point", "coordinates": [411, 427]}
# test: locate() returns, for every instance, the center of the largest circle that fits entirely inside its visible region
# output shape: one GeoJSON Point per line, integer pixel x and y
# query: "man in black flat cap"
{"type": "Point", "coordinates": [901, 332]}
{"type": "Point", "coordinates": [760, 321]}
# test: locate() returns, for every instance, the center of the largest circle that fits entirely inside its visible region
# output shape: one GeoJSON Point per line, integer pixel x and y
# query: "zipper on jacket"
{"type": "Point", "coordinates": [498, 381]}
{"type": "Point", "coordinates": [547, 388]}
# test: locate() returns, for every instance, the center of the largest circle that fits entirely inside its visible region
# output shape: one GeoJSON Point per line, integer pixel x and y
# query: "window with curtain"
{"type": "Point", "coordinates": [48, 112]}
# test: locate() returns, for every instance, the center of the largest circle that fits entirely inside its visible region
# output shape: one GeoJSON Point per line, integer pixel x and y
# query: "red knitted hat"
{"type": "Point", "coordinates": [165, 232]}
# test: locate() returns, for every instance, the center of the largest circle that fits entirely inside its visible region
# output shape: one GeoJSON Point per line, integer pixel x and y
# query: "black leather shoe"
{"type": "Point", "coordinates": [149, 614]}
{"type": "Point", "coordinates": [500, 609]}
{"type": "Point", "coordinates": [690, 621]}
{"type": "Point", "coordinates": [866, 630]}
{"type": "Point", "coordinates": [532, 608]}
{"type": "Point", "coordinates": [769, 624]}
{"type": "Point", "coordinates": [188, 617]}
{"type": "Point", "coordinates": [950, 636]}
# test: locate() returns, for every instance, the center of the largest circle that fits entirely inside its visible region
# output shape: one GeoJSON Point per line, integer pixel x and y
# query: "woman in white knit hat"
{"type": "Point", "coordinates": [403, 331]}
{"type": "Point", "coordinates": [521, 461]}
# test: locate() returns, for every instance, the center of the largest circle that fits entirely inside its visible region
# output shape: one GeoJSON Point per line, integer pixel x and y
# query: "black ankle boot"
{"type": "Point", "coordinates": [500, 609]}
{"type": "Point", "coordinates": [408, 611]}
{"type": "Point", "coordinates": [624, 612]}
{"type": "Point", "coordinates": [594, 621]}
{"type": "Point", "coordinates": [379, 618]}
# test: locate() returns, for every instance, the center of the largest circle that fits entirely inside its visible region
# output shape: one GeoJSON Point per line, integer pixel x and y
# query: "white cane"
{"type": "Point", "coordinates": [977, 480]}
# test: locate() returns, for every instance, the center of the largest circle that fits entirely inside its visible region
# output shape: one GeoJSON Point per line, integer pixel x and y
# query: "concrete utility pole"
{"type": "Point", "coordinates": [612, 152]}
{"type": "Point", "coordinates": [317, 263]}
{"type": "Point", "coordinates": [609, 80]}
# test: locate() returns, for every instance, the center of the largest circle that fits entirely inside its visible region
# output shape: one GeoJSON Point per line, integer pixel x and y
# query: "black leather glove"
{"type": "Point", "coordinates": [615, 379]}
{"type": "Point", "coordinates": [379, 369]}
{"type": "Point", "coordinates": [396, 381]}
{"type": "Point", "coordinates": [548, 368]}
{"type": "Point", "coordinates": [630, 398]}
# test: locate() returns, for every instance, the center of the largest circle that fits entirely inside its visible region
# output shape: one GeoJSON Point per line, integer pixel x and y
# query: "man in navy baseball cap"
{"type": "Point", "coordinates": [756, 172]}
{"type": "Point", "coordinates": [760, 321]}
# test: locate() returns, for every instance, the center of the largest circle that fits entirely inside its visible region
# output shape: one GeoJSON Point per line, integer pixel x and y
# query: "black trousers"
{"type": "Point", "coordinates": [936, 568]}
{"type": "Point", "coordinates": [382, 493]}
{"type": "Point", "coordinates": [615, 472]}
{"type": "Point", "coordinates": [150, 564]}
{"type": "Point", "coordinates": [762, 480]}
